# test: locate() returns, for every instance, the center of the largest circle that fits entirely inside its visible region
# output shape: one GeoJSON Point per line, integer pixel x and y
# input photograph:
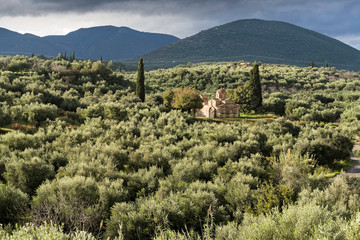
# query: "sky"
{"type": "Point", "coordinates": [336, 18]}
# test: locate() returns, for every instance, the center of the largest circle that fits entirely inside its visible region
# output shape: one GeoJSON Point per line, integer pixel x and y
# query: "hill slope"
{"type": "Point", "coordinates": [12, 43]}
{"type": "Point", "coordinates": [250, 40]}
{"type": "Point", "coordinates": [109, 42]}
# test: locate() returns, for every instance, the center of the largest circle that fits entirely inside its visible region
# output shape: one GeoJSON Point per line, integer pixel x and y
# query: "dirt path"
{"type": "Point", "coordinates": [354, 171]}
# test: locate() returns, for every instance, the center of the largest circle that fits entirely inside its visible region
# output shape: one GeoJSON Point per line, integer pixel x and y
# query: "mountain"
{"type": "Point", "coordinates": [257, 40]}
{"type": "Point", "coordinates": [12, 43]}
{"type": "Point", "coordinates": [109, 42]}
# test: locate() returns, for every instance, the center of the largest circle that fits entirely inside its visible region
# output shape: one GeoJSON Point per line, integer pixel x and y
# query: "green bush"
{"type": "Point", "coordinates": [5, 119]}
{"type": "Point", "coordinates": [13, 204]}
{"type": "Point", "coordinates": [69, 201]}
{"type": "Point", "coordinates": [38, 113]}
{"type": "Point", "coordinates": [27, 174]}
{"type": "Point", "coordinates": [294, 222]}
{"type": "Point", "coordinates": [44, 231]}
{"type": "Point", "coordinates": [79, 203]}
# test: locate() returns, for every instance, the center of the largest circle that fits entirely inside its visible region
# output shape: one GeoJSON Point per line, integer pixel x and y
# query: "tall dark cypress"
{"type": "Point", "coordinates": [140, 81]}
{"type": "Point", "coordinates": [255, 87]}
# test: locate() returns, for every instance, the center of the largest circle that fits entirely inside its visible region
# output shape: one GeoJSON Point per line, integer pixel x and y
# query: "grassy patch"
{"type": "Point", "coordinates": [257, 117]}
{"type": "Point", "coordinates": [331, 175]}
{"type": "Point", "coordinates": [330, 172]}
{"type": "Point", "coordinates": [5, 130]}
{"type": "Point", "coordinates": [245, 118]}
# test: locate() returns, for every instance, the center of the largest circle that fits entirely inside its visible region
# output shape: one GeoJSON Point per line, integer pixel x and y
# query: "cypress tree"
{"type": "Point", "coordinates": [255, 87]}
{"type": "Point", "coordinates": [60, 56]}
{"type": "Point", "coordinates": [140, 81]}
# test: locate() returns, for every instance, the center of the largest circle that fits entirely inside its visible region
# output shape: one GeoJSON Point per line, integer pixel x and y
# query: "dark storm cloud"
{"type": "Point", "coordinates": [34, 7]}
{"type": "Point", "coordinates": [326, 16]}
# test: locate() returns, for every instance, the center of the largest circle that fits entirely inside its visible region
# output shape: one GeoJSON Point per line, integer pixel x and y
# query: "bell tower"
{"type": "Point", "coordinates": [221, 94]}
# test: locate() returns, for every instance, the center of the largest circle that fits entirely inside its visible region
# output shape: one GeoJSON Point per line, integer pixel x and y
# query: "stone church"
{"type": "Point", "coordinates": [218, 107]}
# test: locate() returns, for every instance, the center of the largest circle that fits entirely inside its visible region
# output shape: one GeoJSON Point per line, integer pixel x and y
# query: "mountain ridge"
{"type": "Point", "coordinates": [257, 40]}
{"type": "Point", "coordinates": [109, 42]}
{"type": "Point", "coordinates": [242, 40]}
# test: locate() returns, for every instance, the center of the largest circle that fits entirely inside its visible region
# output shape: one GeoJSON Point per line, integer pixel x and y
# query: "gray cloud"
{"type": "Point", "coordinates": [332, 17]}
{"type": "Point", "coordinates": [352, 40]}
{"type": "Point", "coordinates": [34, 7]}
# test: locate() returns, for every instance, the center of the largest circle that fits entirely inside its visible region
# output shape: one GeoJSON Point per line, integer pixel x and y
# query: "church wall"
{"type": "Point", "coordinates": [203, 112]}
{"type": "Point", "coordinates": [222, 107]}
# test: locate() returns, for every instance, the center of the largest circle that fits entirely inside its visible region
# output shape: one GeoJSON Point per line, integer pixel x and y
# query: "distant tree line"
{"type": "Point", "coordinates": [64, 56]}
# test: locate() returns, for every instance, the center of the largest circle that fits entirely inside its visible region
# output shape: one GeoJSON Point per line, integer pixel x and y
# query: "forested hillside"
{"type": "Point", "coordinates": [257, 40]}
{"type": "Point", "coordinates": [83, 158]}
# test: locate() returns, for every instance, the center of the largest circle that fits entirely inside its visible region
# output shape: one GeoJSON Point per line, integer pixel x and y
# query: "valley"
{"type": "Point", "coordinates": [81, 153]}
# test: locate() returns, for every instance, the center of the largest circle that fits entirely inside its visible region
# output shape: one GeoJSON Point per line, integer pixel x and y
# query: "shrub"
{"type": "Point", "coordinates": [69, 201]}
{"type": "Point", "coordinates": [44, 231]}
{"type": "Point", "coordinates": [27, 174]}
{"type": "Point", "coordinates": [13, 204]}
{"type": "Point", "coordinates": [294, 222]}
{"type": "Point", "coordinates": [270, 197]}
{"type": "Point", "coordinates": [5, 119]}
{"type": "Point", "coordinates": [79, 203]}
{"type": "Point", "coordinates": [134, 221]}
{"type": "Point", "coordinates": [38, 113]}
